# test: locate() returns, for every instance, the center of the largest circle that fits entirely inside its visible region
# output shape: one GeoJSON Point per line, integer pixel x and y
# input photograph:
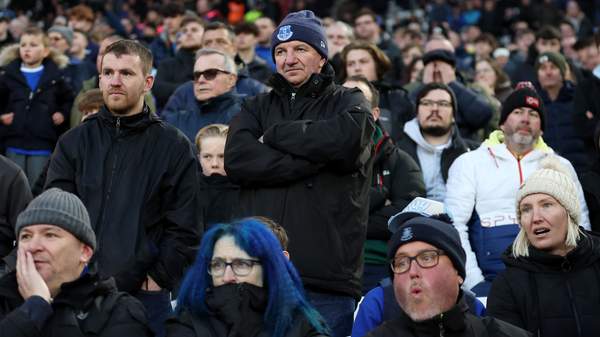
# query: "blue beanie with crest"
{"type": "Point", "coordinates": [301, 26]}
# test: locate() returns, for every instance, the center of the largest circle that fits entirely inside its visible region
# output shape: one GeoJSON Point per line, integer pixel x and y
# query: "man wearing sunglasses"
{"type": "Point", "coordinates": [211, 97]}
{"type": "Point", "coordinates": [428, 266]}
{"type": "Point", "coordinates": [303, 156]}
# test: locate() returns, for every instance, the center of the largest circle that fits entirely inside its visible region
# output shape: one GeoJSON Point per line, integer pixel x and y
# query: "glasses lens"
{"type": "Point", "coordinates": [427, 259]}
{"type": "Point", "coordinates": [209, 74]}
{"type": "Point", "coordinates": [216, 267]}
{"type": "Point", "coordinates": [400, 265]}
{"type": "Point", "coordinates": [241, 267]}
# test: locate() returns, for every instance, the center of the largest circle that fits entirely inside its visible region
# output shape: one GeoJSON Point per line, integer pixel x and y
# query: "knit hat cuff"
{"type": "Point", "coordinates": [71, 224]}
{"type": "Point", "coordinates": [294, 31]}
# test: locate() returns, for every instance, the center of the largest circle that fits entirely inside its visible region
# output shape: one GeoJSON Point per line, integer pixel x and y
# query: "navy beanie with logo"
{"type": "Point", "coordinates": [301, 26]}
{"type": "Point", "coordinates": [433, 231]}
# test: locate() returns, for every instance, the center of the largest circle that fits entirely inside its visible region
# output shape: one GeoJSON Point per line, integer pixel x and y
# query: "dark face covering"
{"type": "Point", "coordinates": [240, 307]}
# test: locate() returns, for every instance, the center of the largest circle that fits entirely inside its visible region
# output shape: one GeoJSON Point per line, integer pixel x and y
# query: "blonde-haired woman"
{"type": "Point", "coordinates": [219, 197]}
{"type": "Point", "coordinates": [551, 285]}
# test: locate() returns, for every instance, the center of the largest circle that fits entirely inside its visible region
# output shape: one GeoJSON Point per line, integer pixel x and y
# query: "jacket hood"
{"type": "Point", "coordinates": [585, 254]}
{"type": "Point", "coordinates": [11, 53]}
{"type": "Point", "coordinates": [411, 128]}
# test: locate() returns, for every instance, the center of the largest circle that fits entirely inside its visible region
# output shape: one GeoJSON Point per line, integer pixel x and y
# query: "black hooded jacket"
{"type": "Point", "coordinates": [138, 178]}
{"type": "Point", "coordinates": [86, 307]}
{"type": "Point", "coordinates": [551, 295]}
{"type": "Point", "coordinates": [303, 158]}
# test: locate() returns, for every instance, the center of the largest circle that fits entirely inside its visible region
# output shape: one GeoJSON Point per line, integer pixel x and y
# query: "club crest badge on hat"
{"type": "Point", "coordinates": [532, 101]}
{"type": "Point", "coordinates": [407, 234]}
{"type": "Point", "coordinates": [285, 33]}
{"type": "Point", "coordinates": [323, 44]}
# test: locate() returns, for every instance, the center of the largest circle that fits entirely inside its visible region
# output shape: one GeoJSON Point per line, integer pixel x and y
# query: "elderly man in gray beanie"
{"type": "Point", "coordinates": [53, 284]}
{"type": "Point", "coordinates": [302, 154]}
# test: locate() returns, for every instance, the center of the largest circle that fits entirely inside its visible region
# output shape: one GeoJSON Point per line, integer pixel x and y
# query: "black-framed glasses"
{"type": "Point", "coordinates": [425, 259]}
{"type": "Point", "coordinates": [209, 74]}
{"type": "Point", "coordinates": [240, 267]}
{"type": "Point", "coordinates": [429, 103]}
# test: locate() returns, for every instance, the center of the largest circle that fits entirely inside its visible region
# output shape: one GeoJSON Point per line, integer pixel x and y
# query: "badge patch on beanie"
{"type": "Point", "coordinates": [532, 101]}
{"type": "Point", "coordinates": [407, 234]}
{"type": "Point", "coordinates": [285, 33]}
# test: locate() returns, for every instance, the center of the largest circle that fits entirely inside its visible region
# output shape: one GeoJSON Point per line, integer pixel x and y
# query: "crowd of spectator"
{"type": "Point", "coordinates": [144, 145]}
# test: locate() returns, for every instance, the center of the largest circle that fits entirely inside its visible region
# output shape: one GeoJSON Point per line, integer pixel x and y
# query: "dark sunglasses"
{"type": "Point", "coordinates": [209, 74]}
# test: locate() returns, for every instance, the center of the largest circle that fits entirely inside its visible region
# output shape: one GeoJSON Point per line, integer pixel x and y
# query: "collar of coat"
{"type": "Point", "coordinates": [78, 294]}
{"type": "Point", "coordinates": [450, 321]}
{"type": "Point", "coordinates": [314, 87]}
{"type": "Point", "coordinates": [138, 121]}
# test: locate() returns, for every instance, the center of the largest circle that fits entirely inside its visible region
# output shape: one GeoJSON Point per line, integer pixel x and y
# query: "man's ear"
{"type": "Point", "coordinates": [322, 62]}
{"type": "Point", "coordinates": [149, 82]}
{"type": "Point", "coordinates": [86, 253]}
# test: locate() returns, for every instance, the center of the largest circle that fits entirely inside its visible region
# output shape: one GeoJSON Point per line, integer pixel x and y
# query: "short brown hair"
{"type": "Point", "coordinates": [382, 62]}
{"type": "Point", "coordinates": [131, 47]}
{"type": "Point", "coordinates": [187, 19]}
{"type": "Point", "coordinates": [276, 228]}
{"type": "Point", "coordinates": [90, 100]}
{"type": "Point", "coordinates": [246, 27]}
{"type": "Point", "coordinates": [374, 92]}
{"type": "Point", "coordinates": [81, 12]}
{"type": "Point", "coordinates": [216, 25]}
{"type": "Point", "coordinates": [363, 12]}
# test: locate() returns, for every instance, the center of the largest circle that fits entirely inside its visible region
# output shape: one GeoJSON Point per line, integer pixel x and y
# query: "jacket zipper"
{"type": "Point", "coordinates": [574, 308]}
{"type": "Point", "coordinates": [441, 325]}
{"type": "Point", "coordinates": [110, 178]}
{"type": "Point", "coordinates": [520, 170]}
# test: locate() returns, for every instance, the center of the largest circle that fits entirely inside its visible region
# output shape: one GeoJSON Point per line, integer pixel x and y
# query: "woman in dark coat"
{"type": "Point", "coordinates": [242, 285]}
{"type": "Point", "coordinates": [551, 285]}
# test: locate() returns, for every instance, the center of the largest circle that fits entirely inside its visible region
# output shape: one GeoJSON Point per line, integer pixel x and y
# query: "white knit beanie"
{"type": "Point", "coordinates": [554, 179]}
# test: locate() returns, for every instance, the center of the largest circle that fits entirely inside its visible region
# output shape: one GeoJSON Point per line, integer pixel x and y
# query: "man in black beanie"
{"type": "Point", "coordinates": [428, 265]}
{"type": "Point", "coordinates": [55, 290]}
{"type": "Point", "coordinates": [302, 154]}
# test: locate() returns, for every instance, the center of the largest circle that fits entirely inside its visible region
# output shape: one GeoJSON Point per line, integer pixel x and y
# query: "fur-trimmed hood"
{"type": "Point", "coordinates": [11, 53]}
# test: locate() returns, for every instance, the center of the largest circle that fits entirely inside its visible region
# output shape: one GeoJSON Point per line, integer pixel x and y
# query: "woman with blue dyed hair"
{"type": "Point", "coordinates": [242, 285]}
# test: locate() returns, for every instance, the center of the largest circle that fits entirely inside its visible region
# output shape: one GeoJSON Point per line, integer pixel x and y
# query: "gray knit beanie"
{"type": "Point", "coordinates": [62, 209]}
{"type": "Point", "coordinates": [66, 32]}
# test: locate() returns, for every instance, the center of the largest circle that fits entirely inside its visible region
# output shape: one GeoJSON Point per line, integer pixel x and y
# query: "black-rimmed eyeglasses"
{"type": "Point", "coordinates": [209, 74]}
{"type": "Point", "coordinates": [425, 259]}
{"type": "Point", "coordinates": [429, 103]}
{"type": "Point", "coordinates": [240, 267]}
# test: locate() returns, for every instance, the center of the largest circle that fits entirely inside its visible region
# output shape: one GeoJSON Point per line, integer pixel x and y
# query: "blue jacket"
{"type": "Point", "coordinates": [247, 86]}
{"type": "Point", "coordinates": [560, 132]}
{"type": "Point", "coordinates": [186, 113]}
{"type": "Point", "coordinates": [380, 305]}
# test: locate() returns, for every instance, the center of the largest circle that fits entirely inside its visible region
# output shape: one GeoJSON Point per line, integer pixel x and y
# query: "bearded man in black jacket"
{"type": "Point", "coordinates": [303, 157]}
{"type": "Point", "coordinates": [138, 178]}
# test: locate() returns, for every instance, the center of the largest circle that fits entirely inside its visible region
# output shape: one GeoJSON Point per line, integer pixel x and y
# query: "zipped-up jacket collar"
{"type": "Point", "coordinates": [132, 123]}
{"type": "Point", "coordinates": [314, 87]}
{"type": "Point", "coordinates": [450, 322]}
